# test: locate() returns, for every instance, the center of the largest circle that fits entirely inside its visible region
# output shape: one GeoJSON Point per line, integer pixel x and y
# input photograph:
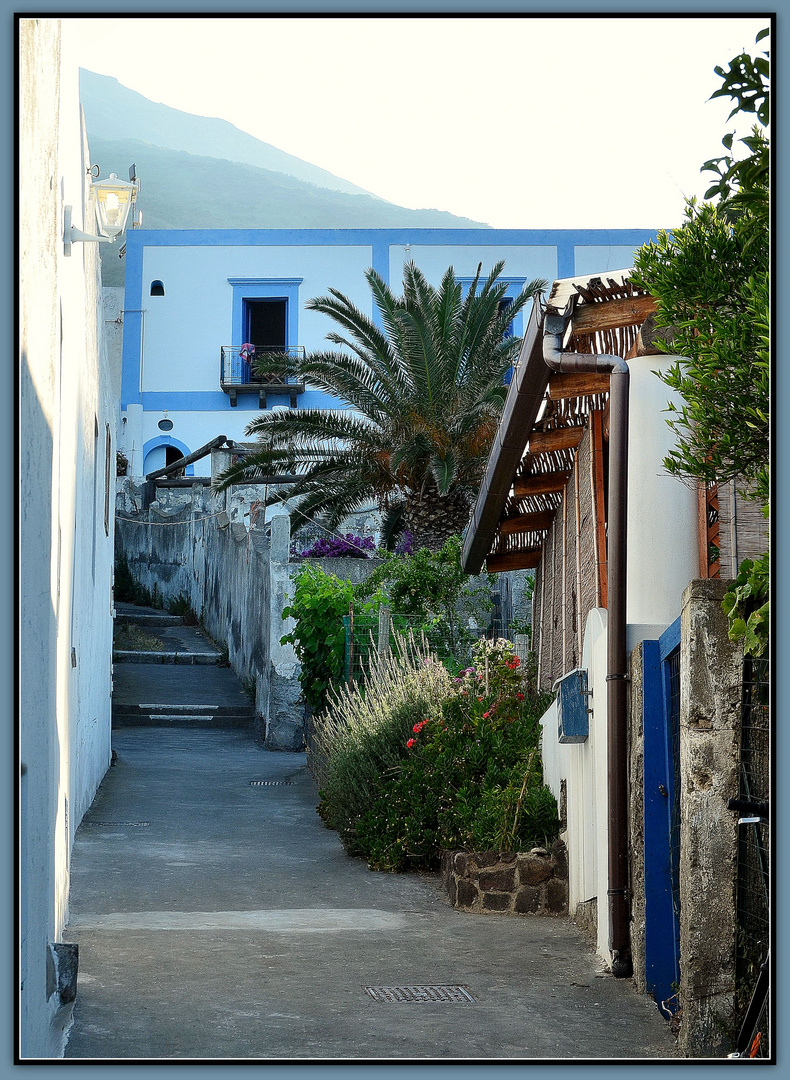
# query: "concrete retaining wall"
{"type": "Point", "coordinates": [235, 568]}
{"type": "Point", "coordinates": [186, 543]}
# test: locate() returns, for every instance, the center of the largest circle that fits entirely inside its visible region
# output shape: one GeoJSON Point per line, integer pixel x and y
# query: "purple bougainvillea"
{"type": "Point", "coordinates": [336, 547]}
{"type": "Point", "coordinates": [405, 545]}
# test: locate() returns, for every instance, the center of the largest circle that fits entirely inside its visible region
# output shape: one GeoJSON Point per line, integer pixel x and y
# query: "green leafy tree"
{"type": "Point", "coordinates": [711, 280]}
{"type": "Point", "coordinates": [432, 588]}
{"type": "Point", "coordinates": [423, 389]}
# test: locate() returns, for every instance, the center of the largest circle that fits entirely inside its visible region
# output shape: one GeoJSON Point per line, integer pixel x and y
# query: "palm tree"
{"type": "Point", "coordinates": [422, 392]}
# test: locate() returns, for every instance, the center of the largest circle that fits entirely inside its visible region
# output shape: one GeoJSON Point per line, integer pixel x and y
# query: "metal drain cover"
{"type": "Point", "coordinates": [454, 994]}
{"type": "Point", "coordinates": [268, 783]}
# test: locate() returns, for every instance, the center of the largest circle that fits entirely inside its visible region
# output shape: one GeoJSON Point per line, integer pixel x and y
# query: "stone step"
{"type": "Point", "coordinates": [129, 656]}
{"type": "Point", "coordinates": [151, 714]}
{"type": "Point", "coordinates": [141, 619]}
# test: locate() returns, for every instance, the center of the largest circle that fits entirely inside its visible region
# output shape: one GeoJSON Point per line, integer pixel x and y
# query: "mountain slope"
{"type": "Point", "coordinates": [203, 173]}
{"type": "Point", "coordinates": [113, 111]}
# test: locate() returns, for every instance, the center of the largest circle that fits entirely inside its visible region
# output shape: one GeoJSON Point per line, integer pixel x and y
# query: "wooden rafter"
{"type": "Point", "coordinates": [513, 560]}
{"type": "Point", "coordinates": [578, 384]}
{"type": "Point", "coordinates": [631, 311]}
{"type": "Point", "coordinates": [538, 521]}
{"type": "Point", "coordinates": [540, 484]}
{"type": "Point", "coordinates": [564, 438]}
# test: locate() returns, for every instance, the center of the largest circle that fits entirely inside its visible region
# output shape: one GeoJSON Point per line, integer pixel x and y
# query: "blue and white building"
{"type": "Point", "coordinates": [194, 298]}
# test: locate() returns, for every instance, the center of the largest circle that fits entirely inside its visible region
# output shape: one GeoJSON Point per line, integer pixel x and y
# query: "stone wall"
{"type": "Point", "coordinates": [236, 570]}
{"type": "Point", "coordinates": [710, 682]}
{"type": "Point", "coordinates": [523, 883]}
{"type": "Point", "coordinates": [186, 543]}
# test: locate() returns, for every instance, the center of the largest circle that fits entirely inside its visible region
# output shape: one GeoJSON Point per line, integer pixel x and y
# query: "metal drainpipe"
{"type": "Point", "coordinates": [617, 655]}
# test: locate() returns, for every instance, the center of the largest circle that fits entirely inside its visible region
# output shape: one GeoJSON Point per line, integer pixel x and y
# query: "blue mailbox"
{"type": "Point", "coordinates": [572, 713]}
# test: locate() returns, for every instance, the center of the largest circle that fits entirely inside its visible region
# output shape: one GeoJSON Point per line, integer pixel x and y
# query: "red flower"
{"type": "Point", "coordinates": [520, 697]}
{"type": "Point", "coordinates": [486, 715]}
{"type": "Point", "coordinates": [410, 743]}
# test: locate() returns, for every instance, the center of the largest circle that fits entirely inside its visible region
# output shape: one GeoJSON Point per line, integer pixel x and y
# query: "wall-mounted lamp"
{"type": "Point", "coordinates": [112, 200]}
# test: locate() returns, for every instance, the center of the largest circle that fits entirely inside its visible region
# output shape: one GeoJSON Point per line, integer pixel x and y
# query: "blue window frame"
{"type": "Point", "coordinates": [276, 289]}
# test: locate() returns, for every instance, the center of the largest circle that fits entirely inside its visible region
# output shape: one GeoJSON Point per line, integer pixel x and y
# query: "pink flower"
{"type": "Point", "coordinates": [410, 743]}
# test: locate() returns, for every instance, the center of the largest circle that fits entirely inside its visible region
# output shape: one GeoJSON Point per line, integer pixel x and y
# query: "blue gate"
{"type": "Point", "coordinates": [660, 728]}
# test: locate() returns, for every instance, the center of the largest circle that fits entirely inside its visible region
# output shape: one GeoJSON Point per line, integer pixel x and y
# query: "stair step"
{"type": "Point", "coordinates": [149, 620]}
{"type": "Point", "coordinates": [166, 715]}
{"type": "Point", "coordinates": [129, 656]}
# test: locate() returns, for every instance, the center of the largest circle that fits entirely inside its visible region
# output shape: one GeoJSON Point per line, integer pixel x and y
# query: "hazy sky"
{"type": "Point", "coordinates": [517, 122]}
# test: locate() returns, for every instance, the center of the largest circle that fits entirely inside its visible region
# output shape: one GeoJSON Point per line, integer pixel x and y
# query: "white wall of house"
{"type": "Point", "coordinates": [582, 769]}
{"type": "Point", "coordinates": [663, 546]}
{"type": "Point", "coordinates": [172, 342]}
{"type": "Point", "coordinates": [662, 557]}
{"type": "Point", "coordinates": [68, 419]}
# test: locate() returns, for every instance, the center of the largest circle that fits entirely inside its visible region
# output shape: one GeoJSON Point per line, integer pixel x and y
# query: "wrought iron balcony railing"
{"type": "Point", "coordinates": [272, 370]}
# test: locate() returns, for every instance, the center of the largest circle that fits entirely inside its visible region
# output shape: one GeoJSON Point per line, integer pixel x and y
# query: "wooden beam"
{"type": "Point", "coordinates": [540, 484]}
{"type": "Point", "coordinates": [565, 438]}
{"type": "Point", "coordinates": [609, 314]}
{"type": "Point", "coordinates": [536, 522]}
{"type": "Point", "coordinates": [513, 560]}
{"type": "Point", "coordinates": [196, 456]}
{"type": "Point", "coordinates": [578, 384]}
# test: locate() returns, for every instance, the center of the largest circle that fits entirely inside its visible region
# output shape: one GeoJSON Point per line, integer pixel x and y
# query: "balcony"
{"type": "Point", "coordinates": [271, 372]}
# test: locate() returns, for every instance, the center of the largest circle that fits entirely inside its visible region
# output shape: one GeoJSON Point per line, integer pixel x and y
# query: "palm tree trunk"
{"type": "Point", "coordinates": [432, 518]}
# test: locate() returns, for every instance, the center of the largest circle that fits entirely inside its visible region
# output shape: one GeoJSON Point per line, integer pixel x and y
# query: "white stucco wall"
{"type": "Point", "coordinates": [583, 767]}
{"type": "Point", "coordinates": [663, 549]}
{"type": "Point", "coordinates": [185, 328]}
{"type": "Point", "coordinates": [65, 553]}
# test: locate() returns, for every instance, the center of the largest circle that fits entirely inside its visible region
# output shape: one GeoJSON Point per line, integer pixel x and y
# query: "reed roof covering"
{"type": "Point", "coordinates": [545, 417]}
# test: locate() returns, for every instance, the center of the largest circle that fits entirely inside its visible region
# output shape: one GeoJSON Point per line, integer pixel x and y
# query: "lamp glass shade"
{"type": "Point", "coordinates": [114, 199]}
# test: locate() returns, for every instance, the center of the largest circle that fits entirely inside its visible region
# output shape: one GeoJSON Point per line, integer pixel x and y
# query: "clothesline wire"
{"type": "Point", "coordinates": [207, 517]}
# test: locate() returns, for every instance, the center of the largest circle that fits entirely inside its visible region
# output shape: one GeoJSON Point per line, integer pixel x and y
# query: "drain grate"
{"type": "Point", "coordinates": [454, 994]}
{"type": "Point", "coordinates": [116, 824]}
{"type": "Point", "coordinates": [268, 783]}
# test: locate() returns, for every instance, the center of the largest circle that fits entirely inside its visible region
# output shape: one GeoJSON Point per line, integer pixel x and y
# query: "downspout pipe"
{"type": "Point", "coordinates": [617, 653]}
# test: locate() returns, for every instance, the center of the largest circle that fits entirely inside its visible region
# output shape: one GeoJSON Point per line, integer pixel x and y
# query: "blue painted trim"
{"type": "Point", "coordinates": [186, 400]}
{"type": "Point", "coordinates": [132, 323]}
{"type": "Point", "coordinates": [662, 934]}
{"type": "Point", "coordinates": [267, 289]}
{"type": "Point", "coordinates": [168, 440]}
{"type": "Point", "coordinates": [382, 239]}
{"type": "Point", "coordinates": [378, 240]}
{"type": "Point", "coordinates": [669, 640]}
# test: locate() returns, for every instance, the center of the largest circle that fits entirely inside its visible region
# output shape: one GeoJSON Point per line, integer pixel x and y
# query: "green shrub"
{"type": "Point", "coordinates": [182, 605]}
{"type": "Point", "coordinates": [319, 602]}
{"type": "Point", "coordinates": [361, 737]}
{"type": "Point", "coordinates": [469, 776]}
{"type": "Point", "coordinates": [433, 590]}
{"type": "Point", "coordinates": [747, 606]}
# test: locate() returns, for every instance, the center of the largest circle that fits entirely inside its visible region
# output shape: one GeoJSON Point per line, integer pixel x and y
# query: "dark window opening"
{"type": "Point", "coordinates": [172, 455]}
{"type": "Point", "coordinates": [266, 324]}
{"type": "Point", "coordinates": [157, 288]}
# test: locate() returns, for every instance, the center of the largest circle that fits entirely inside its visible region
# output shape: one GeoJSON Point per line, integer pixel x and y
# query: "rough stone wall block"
{"type": "Point", "coordinates": [710, 677]}
{"type": "Point", "coordinates": [534, 882]}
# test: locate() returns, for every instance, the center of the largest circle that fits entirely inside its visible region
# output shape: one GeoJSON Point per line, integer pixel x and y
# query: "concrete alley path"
{"type": "Point", "coordinates": [217, 918]}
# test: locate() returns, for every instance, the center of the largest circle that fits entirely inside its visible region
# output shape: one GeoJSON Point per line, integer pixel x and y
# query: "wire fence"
{"type": "Point", "coordinates": [753, 888]}
{"type": "Point", "coordinates": [387, 632]}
